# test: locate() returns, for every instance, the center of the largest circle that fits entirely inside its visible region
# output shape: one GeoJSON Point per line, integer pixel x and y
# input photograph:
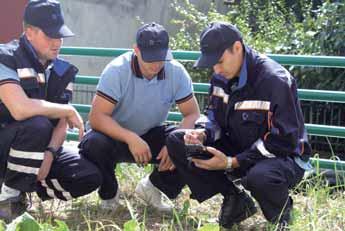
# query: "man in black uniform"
{"type": "Point", "coordinates": [35, 88]}
{"type": "Point", "coordinates": [254, 131]}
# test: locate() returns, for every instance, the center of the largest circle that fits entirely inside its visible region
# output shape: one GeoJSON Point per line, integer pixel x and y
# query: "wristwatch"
{"type": "Point", "coordinates": [228, 163]}
{"type": "Point", "coordinates": [54, 151]}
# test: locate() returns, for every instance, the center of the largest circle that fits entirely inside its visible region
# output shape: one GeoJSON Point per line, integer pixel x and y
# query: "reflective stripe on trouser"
{"type": "Point", "coordinates": [26, 153]}
{"type": "Point", "coordinates": [70, 176]}
{"type": "Point", "coordinates": [23, 165]}
{"type": "Point", "coordinates": [55, 190]}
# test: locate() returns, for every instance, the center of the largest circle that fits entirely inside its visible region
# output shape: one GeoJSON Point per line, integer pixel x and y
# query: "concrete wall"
{"type": "Point", "coordinates": [109, 23]}
{"type": "Point", "coordinates": [113, 23]}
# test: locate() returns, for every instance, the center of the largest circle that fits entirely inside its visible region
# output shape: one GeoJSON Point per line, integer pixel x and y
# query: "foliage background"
{"type": "Point", "coordinates": [307, 27]}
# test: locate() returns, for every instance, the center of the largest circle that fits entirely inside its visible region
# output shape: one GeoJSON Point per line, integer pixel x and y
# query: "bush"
{"type": "Point", "coordinates": [273, 27]}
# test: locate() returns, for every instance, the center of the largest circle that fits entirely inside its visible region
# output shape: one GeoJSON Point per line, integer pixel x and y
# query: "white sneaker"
{"type": "Point", "coordinates": [146, 191]}
{"type": "Point", "coordinates": [111, 204]}
{"type": "Point", "coordinates": [7, 193]}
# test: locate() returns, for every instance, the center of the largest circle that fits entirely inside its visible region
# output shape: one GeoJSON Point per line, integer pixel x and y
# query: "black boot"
{"type": "Point", "coordinates": [13, 207]}
{"type": "Point", "coordinates": [236, 207]}
{"type": "Point", "coordinates": [285, 217]}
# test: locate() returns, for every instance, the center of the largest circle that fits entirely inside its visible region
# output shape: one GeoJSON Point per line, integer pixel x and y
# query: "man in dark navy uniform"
{"type": "Point", "coordinates": [35, 88]}
{"type": "Point", "coordinates": [254, 132]}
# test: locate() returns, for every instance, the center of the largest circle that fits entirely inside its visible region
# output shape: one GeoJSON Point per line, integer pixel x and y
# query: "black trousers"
{"type": "Point", "coordinates": [22, 146]}
{"type": "Point", "coordinates": [269, 180]}
{"type": "Point", "coordinates": [105, 153]}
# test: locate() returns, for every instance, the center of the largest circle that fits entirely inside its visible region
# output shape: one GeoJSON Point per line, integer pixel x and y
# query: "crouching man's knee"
{"type": "Point", "coordinates": [175, 143]}
{"type": "Point", "coordinates": [34, 134]}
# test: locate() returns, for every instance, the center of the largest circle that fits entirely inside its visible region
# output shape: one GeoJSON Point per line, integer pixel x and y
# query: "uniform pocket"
{"type": "Point", "coordinates": [251, 124]}
{"type": "Point", "coordinates": [31, 87]}
{"type": "Point", "coordinates": [29, 83]}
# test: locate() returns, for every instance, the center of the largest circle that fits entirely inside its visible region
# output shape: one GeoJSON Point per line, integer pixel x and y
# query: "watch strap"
{"type": "Point", "coordinates": [54, 151]}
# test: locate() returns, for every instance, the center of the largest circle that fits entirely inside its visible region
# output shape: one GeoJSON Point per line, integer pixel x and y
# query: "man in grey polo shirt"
{"type": "Point", "coordinates": [133, 98]}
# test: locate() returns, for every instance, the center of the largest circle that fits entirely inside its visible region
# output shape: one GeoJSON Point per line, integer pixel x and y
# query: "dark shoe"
{"type": "Point", "coordinates": [282, 222]}
{"type": "Point", "coordinates": [12, 208]}
{"type": "Point", "coordinates": [236, 208]}
{"type": "Point", "coordinates": [285, 216]}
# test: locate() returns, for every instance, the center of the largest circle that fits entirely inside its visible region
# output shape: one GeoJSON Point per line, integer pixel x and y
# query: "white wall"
{"type": "Point", "coordinates": [113, 23]}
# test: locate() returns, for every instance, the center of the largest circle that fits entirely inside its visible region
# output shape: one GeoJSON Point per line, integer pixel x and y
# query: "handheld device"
{"type": "Point", "coordinates": [197, 151]}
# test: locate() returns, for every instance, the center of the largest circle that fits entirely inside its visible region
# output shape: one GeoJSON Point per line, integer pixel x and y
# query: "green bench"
{"type": "Point", "coordinates": [202, 88]}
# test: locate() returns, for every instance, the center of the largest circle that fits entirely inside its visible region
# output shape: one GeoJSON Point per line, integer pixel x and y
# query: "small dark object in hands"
{"type": "Point", "coordinates": [197, 151]}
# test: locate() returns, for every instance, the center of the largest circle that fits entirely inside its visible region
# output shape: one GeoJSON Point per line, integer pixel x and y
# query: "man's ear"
{"type": "Point", "coordinates": [237, 47]}
{"type": "Point", "coordinates": [30, 32]}
{"type": "Point", "coordinates": [136, 49]}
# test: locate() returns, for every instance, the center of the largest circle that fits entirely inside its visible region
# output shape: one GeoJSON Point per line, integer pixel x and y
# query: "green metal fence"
{"type": "Point", "coordinates": [202, 88]}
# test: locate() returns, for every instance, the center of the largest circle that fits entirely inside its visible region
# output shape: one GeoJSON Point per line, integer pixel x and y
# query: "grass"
{"type": "Point", "coordinates": [317, 207]}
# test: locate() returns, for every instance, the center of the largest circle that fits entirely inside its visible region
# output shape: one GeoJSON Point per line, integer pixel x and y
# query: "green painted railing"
{"type": "Point", "coordinates": [313, 129]}
{"type": "Point", "coordinates": [296, 60]}
{"type": "Point", "coordinates": [202, 88]}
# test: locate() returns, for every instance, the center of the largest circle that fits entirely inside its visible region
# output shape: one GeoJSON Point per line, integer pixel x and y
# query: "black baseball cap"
{"type": "Point", "coordinates": [47, 15]}
{"type": "Point", "coordinates": [214, 40]}
{"type": "Point", "coordinates": [153, 42]}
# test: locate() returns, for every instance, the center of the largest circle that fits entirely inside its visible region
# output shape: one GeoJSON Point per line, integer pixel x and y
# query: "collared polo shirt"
{"type": "Point", "coordinates": [142, 104]}
{"type": "Point", "coordinates": [7, 75]}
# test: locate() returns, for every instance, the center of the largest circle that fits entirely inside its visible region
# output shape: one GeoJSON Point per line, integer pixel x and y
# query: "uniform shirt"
{"type": "Point", "coordinates": [9, 74]}
{"type": "Point", "coordinates": [142, 104]}
{"type": "Point", "coordinates": [257, 115]}
{"type": "Point", "coordinates": [19, 64]}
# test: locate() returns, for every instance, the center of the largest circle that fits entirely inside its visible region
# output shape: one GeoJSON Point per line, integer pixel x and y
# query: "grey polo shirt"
{"type": "Point", "coordinates": [142, 104]}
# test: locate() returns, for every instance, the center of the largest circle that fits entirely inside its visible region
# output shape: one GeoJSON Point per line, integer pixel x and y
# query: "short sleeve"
{"type": "Point", "coordinates": [8, 75]}
{"type": "Point", "coordinates": [109, 86]}
{"type": "Point", "coordinates": [184, 86]}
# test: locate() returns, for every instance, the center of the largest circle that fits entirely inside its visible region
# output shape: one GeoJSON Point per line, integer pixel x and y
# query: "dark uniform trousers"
{"type": "Point", "coordinates": [105, 153]}
{"type": "Point", "coordinates": [269, 180]}
{"type": "Point", "coordinates": [22, 144]}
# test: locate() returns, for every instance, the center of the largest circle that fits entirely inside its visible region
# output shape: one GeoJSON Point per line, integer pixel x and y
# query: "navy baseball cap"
{"type": "Point", "coordinates": [47, 15]}
{"type": "Point", "coordinates": [153, 42]}
{"type": "Point", "coordinates": [214, 40]}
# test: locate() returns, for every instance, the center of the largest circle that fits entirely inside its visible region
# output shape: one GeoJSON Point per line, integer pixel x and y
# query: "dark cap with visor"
{"type": "Point", "coordinates": [214, 40]}
{"type": "Point", "coordinates": [153, 42]}
{"type": "Point", "coordinates": [47, 16]}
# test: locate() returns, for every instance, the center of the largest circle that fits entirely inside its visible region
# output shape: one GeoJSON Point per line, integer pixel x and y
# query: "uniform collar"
{"type": "Point", "coordinates": [31, 52]}
{"type": "Point", "coordinates": [243, 73]}
{"type": "Point", "coordinates": [137, 72]}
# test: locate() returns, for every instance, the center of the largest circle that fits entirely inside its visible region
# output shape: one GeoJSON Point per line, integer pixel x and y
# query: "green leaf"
{"type": "Point", "coordinates": [62, 226]}
{"type": "Point", "coordinates": [2, 225]}
{"type": "Point", "coordinates": [131, 225]}
{"type": "Point", "coordinates": [209, 227]}
{"type": "Point", "coordinates": [24, 223]}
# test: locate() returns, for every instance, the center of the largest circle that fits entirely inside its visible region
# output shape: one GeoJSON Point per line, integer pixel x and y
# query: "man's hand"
{"type": "Point", "coordinates": [165, 162]}
{"type": "Point", "coordinates": [217, 162]}
{"type": "Point", "coordinates": [194, 136]}
{"type": "Point", "coordinates": [74, 120]}
{"type": "Point", "coordinates": [139, 149]}
{"type": "Point", "coordinates": [45, 166]}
